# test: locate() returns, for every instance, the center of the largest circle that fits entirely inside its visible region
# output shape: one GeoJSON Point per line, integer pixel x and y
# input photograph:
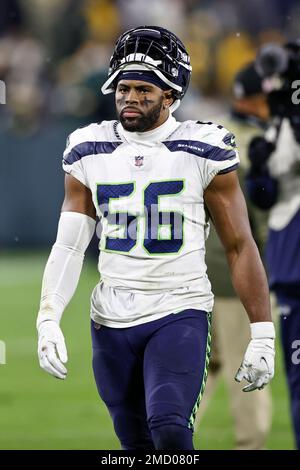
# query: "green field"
{"type": "Point", "coordinates": [39, 412]}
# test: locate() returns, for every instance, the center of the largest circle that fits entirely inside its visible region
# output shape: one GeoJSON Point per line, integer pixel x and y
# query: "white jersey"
{"type": "Point", "coordinates": [147, 189]}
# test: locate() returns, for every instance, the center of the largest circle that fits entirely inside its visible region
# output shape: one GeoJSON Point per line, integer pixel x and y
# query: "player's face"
{"type": "Point", "coordinates": [141, 106]}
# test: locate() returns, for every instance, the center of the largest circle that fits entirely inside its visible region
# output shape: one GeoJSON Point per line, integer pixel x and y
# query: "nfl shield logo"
{"type": "Point", "coordinates": [139, 161]}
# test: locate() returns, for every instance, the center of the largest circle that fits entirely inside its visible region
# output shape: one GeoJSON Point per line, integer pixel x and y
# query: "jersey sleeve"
{"type": "Point", "coordinates": [75, 151]}
{"type": "Point", "coordinates": [222, 156]}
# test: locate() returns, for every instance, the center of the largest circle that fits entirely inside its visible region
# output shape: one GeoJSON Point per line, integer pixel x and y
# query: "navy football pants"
{"type": "Point", "coordinates": [290, 338]}
{"type": "Point", "coordinates": [151, 378]}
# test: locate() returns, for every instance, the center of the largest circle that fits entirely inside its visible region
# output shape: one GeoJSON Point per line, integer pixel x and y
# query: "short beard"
{"type": "Point", "coordinates": [144, 122]}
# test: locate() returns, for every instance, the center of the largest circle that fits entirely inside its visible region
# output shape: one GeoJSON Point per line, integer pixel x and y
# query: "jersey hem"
{"type": "Point", "coordinates": [142, 321]}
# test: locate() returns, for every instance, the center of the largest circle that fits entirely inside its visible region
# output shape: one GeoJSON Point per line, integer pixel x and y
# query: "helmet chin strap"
{"type": "Point", "coordinates": [174, 106]}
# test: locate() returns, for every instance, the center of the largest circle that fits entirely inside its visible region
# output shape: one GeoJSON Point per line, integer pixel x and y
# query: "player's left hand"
{"type": "Point", "coordinates": [258, 364]}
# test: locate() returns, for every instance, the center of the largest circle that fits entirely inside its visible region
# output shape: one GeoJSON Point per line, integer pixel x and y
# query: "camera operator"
{"type": "Point", "coordinates": [273, 182]}
{"type": "Point", "coordinates": [248, 116]}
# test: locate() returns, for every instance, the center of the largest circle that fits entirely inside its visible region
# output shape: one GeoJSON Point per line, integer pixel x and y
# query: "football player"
{"type": "Point", "coordinates": [154, 183]}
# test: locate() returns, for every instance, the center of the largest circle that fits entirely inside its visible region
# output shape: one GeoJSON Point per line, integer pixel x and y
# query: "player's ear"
{"type": "Point", "coordinates": [168, 98]}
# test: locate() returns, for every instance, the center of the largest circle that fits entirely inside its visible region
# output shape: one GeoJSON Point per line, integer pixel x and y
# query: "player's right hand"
{"type": "Point", "coordinates": [52, 350]}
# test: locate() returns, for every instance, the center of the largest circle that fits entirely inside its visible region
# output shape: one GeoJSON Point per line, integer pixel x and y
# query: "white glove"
{"type": "Point", "coordinates": [52, 350]}
{"type": "Point", "coordinates": [61, 276]}
{"type": "Point", "coordinates": [258, 363]}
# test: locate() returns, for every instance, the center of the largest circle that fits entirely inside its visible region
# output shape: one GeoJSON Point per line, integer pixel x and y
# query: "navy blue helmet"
{"type": "Point", "coordinates": [151, 48]}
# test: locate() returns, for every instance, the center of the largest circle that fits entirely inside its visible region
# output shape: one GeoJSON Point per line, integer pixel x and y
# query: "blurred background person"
{"type": "Point", "coordinates": [229, 321]}
{"type": "Point", "coordinates": [273, 183]}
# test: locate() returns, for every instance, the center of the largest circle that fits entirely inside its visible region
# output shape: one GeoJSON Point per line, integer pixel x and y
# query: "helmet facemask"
{"type": "Point", "coordinates": [153, 49]}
